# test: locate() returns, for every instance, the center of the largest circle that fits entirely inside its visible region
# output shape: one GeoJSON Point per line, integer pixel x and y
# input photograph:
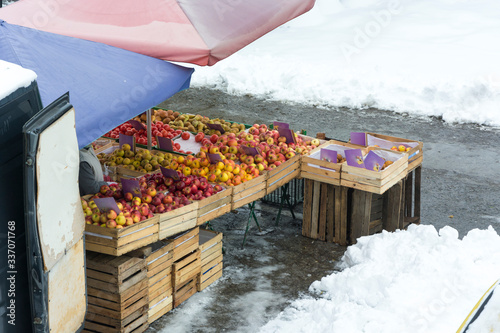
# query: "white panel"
{"type": "Point", "coordinates": [59, 214]}
{"type": "Point", "coordinates": [67, 300]}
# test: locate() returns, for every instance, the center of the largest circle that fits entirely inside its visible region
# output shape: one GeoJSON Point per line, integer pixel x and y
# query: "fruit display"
{"type": "Point", "coordinates": [158, 128]}
{"type": "Point", "coordinates": [159, 194]}
{"type": "Point", "coordinates": [237, 165]}
{"type": "Point", "coordinates": [142, 160]}
{"type": "Point", "coordinates": [190, 122]}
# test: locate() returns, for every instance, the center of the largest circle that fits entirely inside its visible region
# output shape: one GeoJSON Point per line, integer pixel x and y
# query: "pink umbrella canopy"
{"type": "Point", "coordinates": [201, 32]}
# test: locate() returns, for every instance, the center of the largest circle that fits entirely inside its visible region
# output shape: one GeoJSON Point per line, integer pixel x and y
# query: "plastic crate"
{"type": "Point", "coordinates": [295, 192]}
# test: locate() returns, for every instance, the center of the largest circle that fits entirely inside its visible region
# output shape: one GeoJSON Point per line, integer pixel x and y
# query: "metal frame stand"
{"type": "Point", "coordinates": [284, 197]}
{"type": "Point", "coordinates": [250, 215]}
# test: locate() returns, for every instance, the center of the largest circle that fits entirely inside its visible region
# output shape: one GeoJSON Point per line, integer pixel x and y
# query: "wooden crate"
{"type": "Point", "coordinates": [412, 195]}
{"type": "Point", "coordinates": [185, 243]}
{"type": "Point", "coordinates": [325, 212]}
{"type": "Point", "coordinates": [214, 206]}
{"type": "Point", "coordinates": [326, 172]}
{"type": "Point", "coordinates": [342, 215]}
{"type": "Point", "coordinates": [415, 155]}
{"type": "Point", "coordinates": [117, 242]}
{"type": "Point", "coordinates": [117, 294]}
{"type": "Point", "coordinates": [283, 173]}
{"type": "Point", "coordinates": [211, 258]}
{"type": "Point", "coordinates": [249, 191]}
{"type": "Point", "coordinates": [159, 259]}
{"type": "Point", "coordinates": [373, 181]}
{"type": "Point", "coordinates": [185, 272]}
{"type": "Point", "coordinates": [178, 220]}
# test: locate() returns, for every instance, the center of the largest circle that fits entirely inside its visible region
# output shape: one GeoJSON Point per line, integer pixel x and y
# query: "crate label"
{"type": "Point", "coordinates": [214, 158]}
{"type": "Point", "coordinates": [169, 173]}
{"type": "Point", "coordinates": [250, 150]}
{"type": "Point", "coordinates": [106, 204]}
{"type": "Point", "coordinates": [165, 143]}
{"type": "Point", "coordinates": [374, 162]}
{"type": "Point", "coordinates": [137, 125]}
{"type": "Point", "coordinates": [127, 139]}
{"type": "Point", "coordinates": [358, 138]}
{"type": "Point", "coordinates": [132, 186]}
{"type": "Point", "coordinates": [278, 124]}
{"type": "Point", "coordinates": [354, 157]}
{"type": "Point", "coordinates": [328, 155]}
{"type": "Point", "coordinates": [288, 134]}
{"type": "Point", "coordinates": [217, 127]}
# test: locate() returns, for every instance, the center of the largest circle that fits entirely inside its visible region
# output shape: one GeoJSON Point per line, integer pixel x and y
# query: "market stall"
{"type": "Point", "coordinates": [203, 168]}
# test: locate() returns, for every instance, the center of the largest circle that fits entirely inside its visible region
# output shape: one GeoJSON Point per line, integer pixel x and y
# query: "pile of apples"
{"type": "Point", "coordinates": [159, 194]}
{"type": "Point", "coordinates": [142, 160]}
{"type": "Point", "coordinates": [236, 166]}
{"type": "Point", "coordinates": [158, 128]}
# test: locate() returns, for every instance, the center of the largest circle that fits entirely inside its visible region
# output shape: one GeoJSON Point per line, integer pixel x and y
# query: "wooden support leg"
{"type": "Point", "coordinates": [344, 191]}
{"type": "Point", "coordinates": [360, 216]}
{"type": "Point", "coordinates": [409, 195]}
{"type": "Point", "coordinates": [393, 207]}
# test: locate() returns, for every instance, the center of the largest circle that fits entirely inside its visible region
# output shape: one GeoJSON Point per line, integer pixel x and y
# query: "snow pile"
{"type": "Point", "coordinates": [427, 58]}
{"type": "Point", "coordinates": [418, 280]}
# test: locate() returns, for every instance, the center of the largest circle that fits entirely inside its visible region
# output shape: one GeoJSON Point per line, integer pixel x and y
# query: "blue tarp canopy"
{"type": "Point", "coordinates": [107, 85]}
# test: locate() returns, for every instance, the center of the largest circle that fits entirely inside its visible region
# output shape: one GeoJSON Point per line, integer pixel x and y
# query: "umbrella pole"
{"type": "Point", "coordinates": [148, 114]}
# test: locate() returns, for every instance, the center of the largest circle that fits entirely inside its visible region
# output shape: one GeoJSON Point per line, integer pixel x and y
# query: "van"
{"type": "Point", "coordinates": [42, 256]}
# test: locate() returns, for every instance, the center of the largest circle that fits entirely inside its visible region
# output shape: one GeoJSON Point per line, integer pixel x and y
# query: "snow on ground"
{"type": "Point", "coordinates": [426, 58]}
{"type": "Point", "coordinates": [419, 280]}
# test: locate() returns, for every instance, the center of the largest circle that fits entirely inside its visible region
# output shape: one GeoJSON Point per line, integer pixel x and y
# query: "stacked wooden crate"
{"type": "Point", "coordinates": [186, 265]}
{"type": "Point", "coordinates": [159, 259]}
{"type": "Point", "coordinates": [211, 258]}
{"type": "Point", "coordinates": [117, 294]}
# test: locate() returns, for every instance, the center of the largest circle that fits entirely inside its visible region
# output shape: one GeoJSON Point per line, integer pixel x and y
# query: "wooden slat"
{"type": "Point", "coordinates": [315, 210]}
{"type": "Point", "coordinates": [418, 179]}
{"type": "Point", "coordinates": [392, 209]}
{"type": "Point", "coordinates": [408, 195]}
{"type": "Point", "coordinates": [360, 216]}
{"type": "Point", "coordinates": [183, 294]}
{"type": "Point", "coordinates": [215, 237]}
{"type": "Point", "coordinates": [322, 211]}
{"type": "Point", "coordinates": [211, 280]}
{"type": "Point", "coordinates": [307, 210]}
{"type": "Point", "coordinates": [272, 186]}
{"type": "Point", "coordinates": [330, 214]}
{"type": "Point", "coordinates": [211, 252]}
{"type": "Point", "coordinates": [343, 215]}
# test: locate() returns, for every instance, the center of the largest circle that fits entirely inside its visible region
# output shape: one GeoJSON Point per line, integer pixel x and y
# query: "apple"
{"type": "Point", "coordinates": [136, 201]}
{"type": "Point", "coordinates": [214, 138]}
{"type": "Point", "coordinates": [104, 189]}
{"type": "Point", "coordinates": [270, 141]}
{"type": "Point", "coordinates": [136, 216]}
{"type": "Point", "coordinates": [315, 142]}
{"type": "Point", "coordinates": [111, 224]}
{"type": "Point", "coordinates": [167, 199]}
{"type": "Point", "coordinates": [147, 198]}
{"type": "Point", "coordinates": [144, 210]}
{"type": "Point", "coordinates": [121, 220]}
{"type": "Point", "coordinates": [151, 191]}
{"type": "Point", "coordinates": [96, 217]}
{"type": "Point", "coordinates": [129, 221]}
{"type": "Point", "coordinates": [111, 214]}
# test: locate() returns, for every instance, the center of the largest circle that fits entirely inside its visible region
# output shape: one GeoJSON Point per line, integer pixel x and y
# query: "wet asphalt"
{"type": "Point", "coordinates": [460, 188]}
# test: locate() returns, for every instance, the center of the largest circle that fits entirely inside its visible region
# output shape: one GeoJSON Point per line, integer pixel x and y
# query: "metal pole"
{"type": "Point", "coordinates": [150, 145]}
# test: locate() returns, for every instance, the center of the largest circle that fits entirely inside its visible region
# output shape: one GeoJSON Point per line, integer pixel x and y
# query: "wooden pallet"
{"type": "Point", "coordinates": [214, 206]}
{"type": "Point", "coordinates": [185, 243]}
{"type": "Point", "coordinates": [159, 259]}
{"type": "Point", "coordinates": [325, 212]}
{"type": "Point", "coordinates": [117, 242]}
{"type": "Point", "coordinates": [249, 191]}
{"type": "Point", "coordinates": [373, 181]}
{"type": "Point", "coordinates": [178, 220]}
{"type": "Point", "coordinates": [117, 294]}
{"type": "Point", "coordinates": [185, 272]}
{"type": "Point", "coordinates": [283, 173]}
{"type": "Point", "coordinates": [211, 258]}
